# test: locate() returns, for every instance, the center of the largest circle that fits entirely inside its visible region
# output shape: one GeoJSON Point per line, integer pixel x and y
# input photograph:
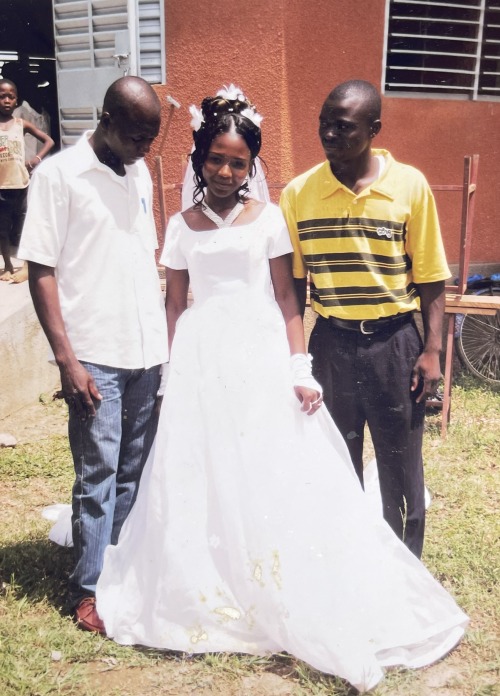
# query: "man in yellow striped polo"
{"type": "Point", "coordinates": [365, 229]}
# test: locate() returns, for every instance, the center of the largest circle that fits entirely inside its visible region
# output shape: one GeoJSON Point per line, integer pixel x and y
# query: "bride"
{"type": "Point", "coordinates": [243, 537]}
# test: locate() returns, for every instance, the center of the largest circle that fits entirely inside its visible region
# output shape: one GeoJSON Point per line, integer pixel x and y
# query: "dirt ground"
{"type": "Point", "coordinates": [36, 421]}
{"type": "Point", "coordinates": [443, 679]}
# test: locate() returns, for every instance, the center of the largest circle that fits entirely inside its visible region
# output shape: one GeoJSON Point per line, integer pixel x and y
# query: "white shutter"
{"type": "Point", "coordinates": [150, 40]}
{"type": "Point", "coordinates": [98, 41]}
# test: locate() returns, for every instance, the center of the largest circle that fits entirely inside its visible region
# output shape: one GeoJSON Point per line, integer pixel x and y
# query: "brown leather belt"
{"type": "Point", "coordinates": [371, 326]}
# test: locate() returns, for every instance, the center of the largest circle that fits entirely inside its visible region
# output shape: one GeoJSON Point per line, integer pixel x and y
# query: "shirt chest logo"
{"type": "Point", "coordinates": [384, 232]}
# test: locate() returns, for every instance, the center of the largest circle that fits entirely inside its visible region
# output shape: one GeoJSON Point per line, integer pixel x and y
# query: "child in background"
{"type": "Point", "coordinates": [15, 176]}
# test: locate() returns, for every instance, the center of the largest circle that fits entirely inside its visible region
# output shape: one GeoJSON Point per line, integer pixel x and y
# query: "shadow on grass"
{"type": "Point", "coordinates": [38, 570]}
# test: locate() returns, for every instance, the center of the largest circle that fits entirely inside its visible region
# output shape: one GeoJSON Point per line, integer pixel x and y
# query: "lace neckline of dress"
{"type": "Point", "coordinates": [223, 222]}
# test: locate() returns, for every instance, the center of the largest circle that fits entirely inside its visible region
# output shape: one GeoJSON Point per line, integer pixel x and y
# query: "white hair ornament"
{"type": "Point", "coordinates": [197, 117]}
{"type": "Point", "coordinates": [230, 93]}
{"type": "Point", "coordinates": [252, 116]}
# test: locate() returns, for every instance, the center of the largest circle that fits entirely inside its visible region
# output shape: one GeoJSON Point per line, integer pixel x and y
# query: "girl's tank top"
{"type": "Point", "coordinates": [13, 172]}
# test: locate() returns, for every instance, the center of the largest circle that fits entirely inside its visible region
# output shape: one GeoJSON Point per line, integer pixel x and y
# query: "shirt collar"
{"type": "Point", "coordinates": [86, 159]}
{"type": "Point", "coordinates": [330, 184]}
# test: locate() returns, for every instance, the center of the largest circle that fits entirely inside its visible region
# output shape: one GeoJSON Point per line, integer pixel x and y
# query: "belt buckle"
{"type": "Point", "coordinates": [364, 331]}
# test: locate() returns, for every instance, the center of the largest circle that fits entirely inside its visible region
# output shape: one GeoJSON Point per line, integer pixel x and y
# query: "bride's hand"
{"type": "Point", "coordinates": [310, 399]}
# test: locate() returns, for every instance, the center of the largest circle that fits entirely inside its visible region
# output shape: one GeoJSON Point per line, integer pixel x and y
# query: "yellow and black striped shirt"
{"type": "Point", "coordinates": [365, 252]}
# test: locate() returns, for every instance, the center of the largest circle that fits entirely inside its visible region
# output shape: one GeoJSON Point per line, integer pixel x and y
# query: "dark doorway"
{"type": "Point", "coordinates": [27, 33]}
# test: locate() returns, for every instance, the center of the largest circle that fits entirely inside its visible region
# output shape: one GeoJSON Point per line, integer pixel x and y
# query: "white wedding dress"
{"type": "Point", "coordinates": [250, 532]}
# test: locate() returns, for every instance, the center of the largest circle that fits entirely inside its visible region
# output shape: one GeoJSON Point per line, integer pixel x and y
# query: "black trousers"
{"type": "Point", "coordinates": [366, 380]}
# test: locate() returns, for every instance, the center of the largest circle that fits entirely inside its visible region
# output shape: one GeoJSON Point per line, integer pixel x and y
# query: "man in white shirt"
{"type": "Point", "coordinates": [90, 241]}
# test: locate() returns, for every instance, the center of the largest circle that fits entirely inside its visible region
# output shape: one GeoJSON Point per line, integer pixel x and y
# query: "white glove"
{"type": "Point", "coordinates": [301, 366]}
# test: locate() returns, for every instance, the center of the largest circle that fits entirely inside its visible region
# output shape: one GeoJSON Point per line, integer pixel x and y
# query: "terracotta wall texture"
{"type": "Point", "coordinates": [286, 55]}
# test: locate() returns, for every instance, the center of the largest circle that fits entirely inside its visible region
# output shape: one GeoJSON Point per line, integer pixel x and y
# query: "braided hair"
{"type": "Point", "coordinates": [222, 115]}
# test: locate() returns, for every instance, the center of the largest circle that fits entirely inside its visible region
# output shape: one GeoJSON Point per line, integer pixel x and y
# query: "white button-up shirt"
{"type": "Point", "coordinates": [97, 230]}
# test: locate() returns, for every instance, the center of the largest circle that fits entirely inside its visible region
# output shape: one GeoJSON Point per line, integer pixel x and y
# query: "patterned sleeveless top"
{"type": "Point", "coordinates": [13, 172]}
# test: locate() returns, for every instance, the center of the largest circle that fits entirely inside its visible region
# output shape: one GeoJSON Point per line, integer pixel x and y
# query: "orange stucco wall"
{"type": "Point", "coordinates": [287, 55]}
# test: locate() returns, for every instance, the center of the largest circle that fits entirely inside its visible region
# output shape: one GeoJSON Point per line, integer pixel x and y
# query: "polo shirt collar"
{"type": "Point", "coordinates": [330, 184]}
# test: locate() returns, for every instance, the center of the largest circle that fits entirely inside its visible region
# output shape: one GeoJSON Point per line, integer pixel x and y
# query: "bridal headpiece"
{"type": "Point", "coordinates": [227, 100]}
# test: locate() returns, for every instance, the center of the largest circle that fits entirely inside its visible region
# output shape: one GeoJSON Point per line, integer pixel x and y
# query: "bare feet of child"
{"type": "Point", "coordinates": [21, 275]}
{"type": "Point", "coordinates": [7, 275]}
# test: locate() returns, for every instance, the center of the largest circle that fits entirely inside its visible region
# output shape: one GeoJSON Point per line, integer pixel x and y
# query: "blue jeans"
{"type": "Point", "coordinates": [109, 452]}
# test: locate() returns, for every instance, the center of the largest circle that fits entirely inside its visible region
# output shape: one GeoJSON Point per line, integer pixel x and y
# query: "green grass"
{"type": "Point", "coordinates": [42, 652]}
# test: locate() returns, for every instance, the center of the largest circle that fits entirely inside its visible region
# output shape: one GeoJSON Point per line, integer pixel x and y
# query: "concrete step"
{"type": "Point", "coordinates": [25, 371]}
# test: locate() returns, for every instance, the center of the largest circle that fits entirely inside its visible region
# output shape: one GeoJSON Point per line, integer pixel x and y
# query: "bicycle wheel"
{"type": "Point", "coordinates": [478, 342]}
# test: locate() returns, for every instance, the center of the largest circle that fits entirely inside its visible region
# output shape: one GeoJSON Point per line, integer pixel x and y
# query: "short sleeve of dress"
{"type": "Point", "coordinates": [279, 238]}
{"type": "Point", "coordinates": [172, 255]}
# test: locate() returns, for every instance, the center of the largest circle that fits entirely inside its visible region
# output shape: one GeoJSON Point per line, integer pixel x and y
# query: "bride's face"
{"type": "Point", "coordinates": [227, 165]}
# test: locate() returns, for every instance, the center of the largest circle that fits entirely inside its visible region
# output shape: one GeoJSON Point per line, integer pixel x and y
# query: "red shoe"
{"type": "Point", "coordinates": [87, 617]}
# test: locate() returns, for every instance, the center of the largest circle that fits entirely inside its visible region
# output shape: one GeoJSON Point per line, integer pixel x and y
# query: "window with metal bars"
{"type": "Point", "coordinates": [443, 47]}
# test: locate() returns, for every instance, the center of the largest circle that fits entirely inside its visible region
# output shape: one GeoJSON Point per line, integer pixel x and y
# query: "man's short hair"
{"type": "Point", "coordinates": [360, 88]}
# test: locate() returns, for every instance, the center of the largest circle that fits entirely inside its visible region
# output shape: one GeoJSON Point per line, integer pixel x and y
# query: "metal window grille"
{"type": "Point", "coordinates": [443, 47]}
